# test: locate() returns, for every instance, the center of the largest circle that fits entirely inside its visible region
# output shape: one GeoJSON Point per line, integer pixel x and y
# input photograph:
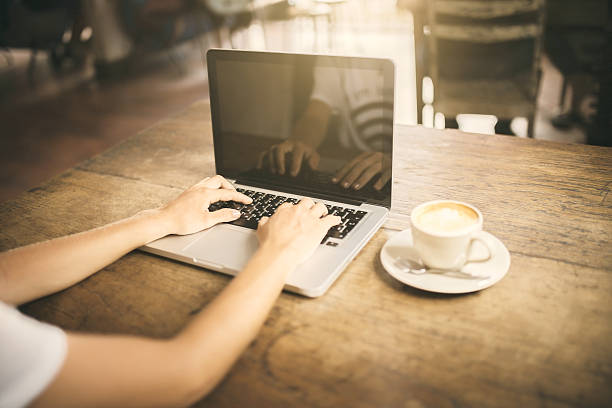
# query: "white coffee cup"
{"type": "Point", "coordinates": [444, 231]}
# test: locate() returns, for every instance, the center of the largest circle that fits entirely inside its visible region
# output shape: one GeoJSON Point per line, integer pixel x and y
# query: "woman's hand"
{"type": "Point", "coordinates": [296, 230]}
{"type": "Point", "coordinates": [288, 156]}
{"type": "Point", "coordinates": [188, 213]}
{"type": "Point", "coordinates": [363, 168]}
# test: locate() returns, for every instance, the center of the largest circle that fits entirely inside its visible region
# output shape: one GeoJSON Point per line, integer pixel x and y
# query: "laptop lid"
{"type": "Point", "coordinates": [313, 125]}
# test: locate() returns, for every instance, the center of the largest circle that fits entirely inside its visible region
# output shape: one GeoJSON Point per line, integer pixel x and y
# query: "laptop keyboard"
{"type": "Point", "coordinates": [264, 205]}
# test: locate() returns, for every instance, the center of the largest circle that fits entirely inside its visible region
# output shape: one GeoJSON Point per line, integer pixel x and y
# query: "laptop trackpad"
{"type": "Point", "coordinates": [224, 246]}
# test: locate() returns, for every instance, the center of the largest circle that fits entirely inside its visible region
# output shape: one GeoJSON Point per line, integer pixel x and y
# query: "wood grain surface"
{"type": "Point", "coordinates": [540, 337]}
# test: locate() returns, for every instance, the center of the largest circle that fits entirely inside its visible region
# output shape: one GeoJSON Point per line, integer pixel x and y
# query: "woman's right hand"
{"type": "Point", "coordinates": [296, 230]}
{"type": "Point", "coordinates": [363, 168]}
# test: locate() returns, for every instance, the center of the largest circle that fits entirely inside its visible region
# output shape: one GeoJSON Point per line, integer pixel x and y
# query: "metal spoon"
{"type": "Point", "coordinates": [417, 268]}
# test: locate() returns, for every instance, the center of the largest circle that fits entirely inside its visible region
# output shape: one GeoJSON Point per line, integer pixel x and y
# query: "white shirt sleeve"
{"type": "Point", "coordinates": [31, 354]}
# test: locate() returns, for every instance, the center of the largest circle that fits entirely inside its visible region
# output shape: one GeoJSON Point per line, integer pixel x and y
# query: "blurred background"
{"type": "Point", "coordinates": [77, 77]}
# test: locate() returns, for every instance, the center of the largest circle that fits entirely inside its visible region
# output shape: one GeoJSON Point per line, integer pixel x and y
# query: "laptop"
{"type": "Point", "coordinates": [287, 126]}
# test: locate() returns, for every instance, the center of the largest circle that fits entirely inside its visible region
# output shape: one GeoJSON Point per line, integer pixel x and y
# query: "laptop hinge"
{"type": "Point", "coordinates": [302, 191]}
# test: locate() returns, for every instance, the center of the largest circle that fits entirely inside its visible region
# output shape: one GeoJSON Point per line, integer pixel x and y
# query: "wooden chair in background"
{"type": "Point", "coordinates": [483, 57]}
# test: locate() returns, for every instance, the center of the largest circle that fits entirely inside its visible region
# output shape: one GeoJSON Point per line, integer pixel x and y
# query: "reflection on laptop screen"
{"type": "Point", "coordinates": [319, 124]}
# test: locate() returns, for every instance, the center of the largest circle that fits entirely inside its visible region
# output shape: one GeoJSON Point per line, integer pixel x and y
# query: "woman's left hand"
{"type": "Point", "coordinates": [188, 213]}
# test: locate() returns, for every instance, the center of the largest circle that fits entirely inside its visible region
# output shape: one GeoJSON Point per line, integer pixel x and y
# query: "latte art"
{"type": "Point", "coordinates": [446, 217]}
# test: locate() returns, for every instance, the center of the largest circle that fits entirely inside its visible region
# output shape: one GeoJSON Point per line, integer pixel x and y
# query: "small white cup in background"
{"type": "Point", "coordinates": [444, 231]}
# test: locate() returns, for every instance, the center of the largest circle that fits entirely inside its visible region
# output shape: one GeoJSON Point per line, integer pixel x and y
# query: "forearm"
{"type": "Point", "coordinates": [311, 128]}
{"type": "Point", "coordinates": [139, 372]}
{"type": "Point", "coordinates": [220, 333]}
{"type": "Point", "coordinates": [128, 371]}
{"type": "Point", "coordinates": [39, 269]}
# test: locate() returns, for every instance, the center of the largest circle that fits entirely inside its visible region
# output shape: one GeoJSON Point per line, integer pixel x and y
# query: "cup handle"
{"type": "Point", "coordinates": [481, 237]}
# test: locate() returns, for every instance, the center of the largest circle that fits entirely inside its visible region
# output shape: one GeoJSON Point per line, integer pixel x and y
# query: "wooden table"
{"type": "Point", "coordinates": [540, 337]}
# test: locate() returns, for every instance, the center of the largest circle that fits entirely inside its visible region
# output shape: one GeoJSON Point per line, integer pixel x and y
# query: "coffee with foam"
{"type": "Point", "coordinates": [446, 217]}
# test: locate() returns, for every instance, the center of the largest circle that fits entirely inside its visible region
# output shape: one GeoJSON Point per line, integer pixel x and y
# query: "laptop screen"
{"type": "Point", "coordinates": [307, 124]}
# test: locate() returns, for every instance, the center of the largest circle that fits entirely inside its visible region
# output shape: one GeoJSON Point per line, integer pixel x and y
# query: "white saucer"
{"type": "Point", "coordinates": [399, 247]}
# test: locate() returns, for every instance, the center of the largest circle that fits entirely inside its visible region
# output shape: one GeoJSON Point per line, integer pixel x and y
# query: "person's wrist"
{"type": "Point", "coordinates": [279, 254]}
{"type": "Point", "coordinates": [159, 222]}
